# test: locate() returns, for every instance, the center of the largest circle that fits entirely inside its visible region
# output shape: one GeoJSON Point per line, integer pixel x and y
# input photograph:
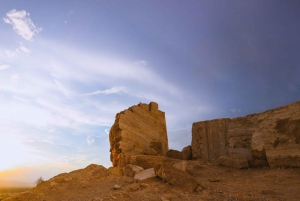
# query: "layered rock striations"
{"type": "Point", "coordinates": [271, 137]}
{"type": "Point", "coordinates": [141, 129]}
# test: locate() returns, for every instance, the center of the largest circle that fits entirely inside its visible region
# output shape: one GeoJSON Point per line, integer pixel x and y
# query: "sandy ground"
{"type": "Point", "coordinates": [95, 183]}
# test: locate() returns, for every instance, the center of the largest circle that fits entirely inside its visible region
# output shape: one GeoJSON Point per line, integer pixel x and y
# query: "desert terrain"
{"type": "Point", "coordinates": [251, 158]}
{"type": "Point", "coordinates": [214, 183]}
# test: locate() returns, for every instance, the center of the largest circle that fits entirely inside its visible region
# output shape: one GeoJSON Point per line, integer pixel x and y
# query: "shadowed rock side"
{"type": "Point", "coordinates": [271, 137]}
{"type": "Point", "coordinates": [141, 129]}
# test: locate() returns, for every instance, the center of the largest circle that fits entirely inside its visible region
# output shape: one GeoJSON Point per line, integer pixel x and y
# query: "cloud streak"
{"type": "Point", "coordinates": [22, 24]}
{"type": "Point", "coordinates": [4, 66]}
{"type": "Point", "coordinates": [112, 90]}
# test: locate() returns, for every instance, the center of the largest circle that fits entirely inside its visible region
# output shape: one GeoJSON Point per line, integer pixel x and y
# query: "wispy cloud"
{"type": "Point", "coordinates": [70, 12]}
{"type": "Point", "coordinates": [15, 53]}
{"type": "Point", "coordinates": [141, 63]}
{"type": "Point", "coordinates": [112, 90]}
{"type": "Point", "coordinates": [4, 66]}
{"type": "Point", "coordinates": [22, 24]}
{"type": "Point", "coordinates": [14, 78]}
{"type": "Point", "coordinates": [10, 54]}
{"type": "Point", "coordinates": [92, 139]}
{"type": "Point", "coordinates": [23, 49]}
{"type": "Point", "coordinates": [234, 110]}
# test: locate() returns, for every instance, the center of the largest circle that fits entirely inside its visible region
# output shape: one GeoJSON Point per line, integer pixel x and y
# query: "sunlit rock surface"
{"type": "Point", "coordinates": [141, 129]}
{"type": "Point", "coordinates": [271, 137]}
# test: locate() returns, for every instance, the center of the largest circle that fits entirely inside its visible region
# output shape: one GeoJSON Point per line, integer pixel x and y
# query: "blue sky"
{"type": "Point", "coordinates": [67, 67]}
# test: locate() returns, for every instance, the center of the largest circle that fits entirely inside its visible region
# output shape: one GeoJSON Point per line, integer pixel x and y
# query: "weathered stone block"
{"type": "Point", "coordinates": [145, 174]}
{"type": "Point", "coordinates": [174, 154]}
{"type": "Point", "coordinates": [272, 136]}
{"type": "Point", "coordinates": [238, 163]}
{"type": "Point", "coordinates": [139, 128]}
{"type": "Point", "coordinates": [115, 171]}
{"type": "Point", "coordinates": [131, 170]}
{"type": "Point", "coordinates": [177, 178]}
{"type": "Point", "coordinates": [186, 153]}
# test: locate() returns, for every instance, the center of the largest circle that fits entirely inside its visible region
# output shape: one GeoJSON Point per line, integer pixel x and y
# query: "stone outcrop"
{"type": "Point", "coordinates": [185, 154]}
{"type": "Point", "coordinates": [174, 154]}
{"type": "Point", "coordinates": [271, 137]}
{"type": "Point", "coordinates": [177, 178]}
{"type": "Point", "coordinates": [145, 174]}
{"type": "Point", "coordinates": [146, 161]}
{"type": "Point", "coordinates": [141, 129]}
{"type": "Point", "coordinates": [131, 170]}
{"type": "Point", "coordinates": [238, 163]}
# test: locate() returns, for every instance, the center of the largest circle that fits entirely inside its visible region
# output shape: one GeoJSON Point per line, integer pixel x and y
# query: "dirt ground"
{"type": "Point", "coordinates": [95, 183]}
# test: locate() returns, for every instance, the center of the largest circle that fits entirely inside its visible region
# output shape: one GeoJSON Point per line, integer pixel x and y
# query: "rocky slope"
{"type": "Point", "coordinates": [95, 183]}
{"type": "Point", "coordinates": [144, 168]}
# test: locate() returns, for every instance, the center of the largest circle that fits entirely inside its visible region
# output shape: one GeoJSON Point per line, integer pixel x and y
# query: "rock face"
{"type": "Point", "coordinates": [141, 129]}
{"type": "Point", "coordinates": [177, 178]}
{"type": "Point", "coordinates": [185, 154]}
{"type": "Point", "coordinates": [270, 137]}
{"type": "Point", "coordinates": [238, 163]}
{"type": "Point", "coordinates": [174, 154]}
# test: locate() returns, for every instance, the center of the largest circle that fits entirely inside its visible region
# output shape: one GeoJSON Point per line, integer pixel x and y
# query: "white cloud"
{"type": "Point", "coordinates": [14, 78]}
{"type": "Point", "coordinates": [106, 131]}
{"type": "Point", "coordinates": [235, 110]}
{"type": "Point", "coordinates": [67, 92]}
{"type": "Point", "coordinates": [70, 12]}
{"type": "Point", "coordinates": [24, 49]}
{"type": "Point", "coordinates": [11, 54]}
{"type": "Point", "coordinates": [21, 48]}
{"type": "Point", "coordinates": [4, 66]}
{"type": "Point", "coordinates": [22, 24]}
{"type": "Point", "coordinates": [112, 90]}
{"type": "Point", "coordinates": [92, 139]}
{"type": "Point", "coordinates": [51, 130]}
{"type": "Point", "coordinates": [141, 63]}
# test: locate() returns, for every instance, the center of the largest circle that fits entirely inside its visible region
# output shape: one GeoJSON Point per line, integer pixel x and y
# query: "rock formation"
{"type": "Point", "coordinates": [141, 129]}
{"type": "Point", "coordinates": [185, 154]}
{"type": "Point", "coordinates": [271, 137]}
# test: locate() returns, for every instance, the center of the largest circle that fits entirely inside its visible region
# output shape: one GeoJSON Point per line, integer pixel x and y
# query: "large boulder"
{"type": "Point", "coordinates": [174, 154]}
{"type": "Point", "coordinates": [131, 170]}
{"type": "Point", "coordinates": [141, 129]}
{"type": "Point", "coordinates": [145, 174]}
{"type": "Point", "coordinates": [177, 178]}
{"type": "Point", "coordinates": [186, 153]}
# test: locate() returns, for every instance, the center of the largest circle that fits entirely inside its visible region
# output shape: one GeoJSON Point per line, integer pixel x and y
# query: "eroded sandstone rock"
{"type": "Point", "coordinates": [145, 174]}
{"type": "Point", "coordinates": [186, 153]}
{"type": "Point", "coordinates": [177, 178]}
{"type": "Point", "coordinates": [174, 154]}
{"type": "Point", "coordinates": [131, 170]}
{"type": "Point", "coordinates": [146, 161]}
{"type": "Point", "coordinates": [271, 137]}
{"type": "Point", "coordinates": [141, 129]}
{"type": "Point", "coordinates": [238, 163]}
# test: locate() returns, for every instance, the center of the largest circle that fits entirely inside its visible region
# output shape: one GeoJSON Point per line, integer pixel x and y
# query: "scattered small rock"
{"type": "Point", "coordinates": [164, 199]}
{"type": "Point", "coordinates": [117, 187]}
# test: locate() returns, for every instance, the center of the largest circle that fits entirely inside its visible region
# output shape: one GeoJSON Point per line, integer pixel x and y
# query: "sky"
{"type": "Point", "coordinates": [68, 67]}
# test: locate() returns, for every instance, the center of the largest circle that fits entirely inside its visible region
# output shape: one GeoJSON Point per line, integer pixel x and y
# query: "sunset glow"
{"type": "Point", "coordinates": [68, 67]}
